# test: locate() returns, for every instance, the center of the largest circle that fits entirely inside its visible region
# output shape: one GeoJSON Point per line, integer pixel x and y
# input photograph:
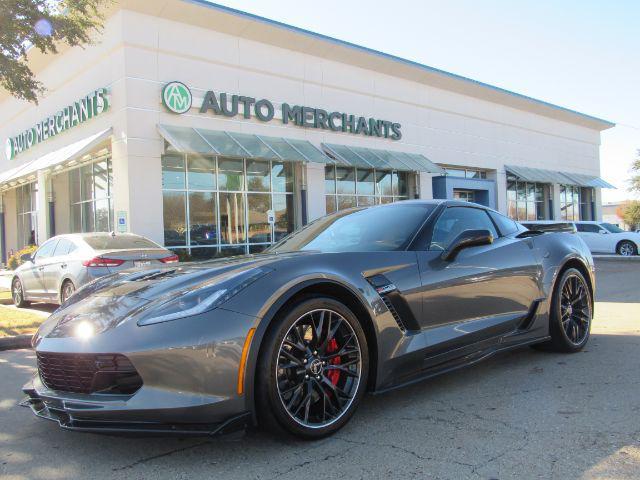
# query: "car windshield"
{"type": "Point", "coordinates": [118, 242]}
{"type": "Point", "coordinates": [383, 228]}
{"type": "Point", "coordinates": [612, 228]}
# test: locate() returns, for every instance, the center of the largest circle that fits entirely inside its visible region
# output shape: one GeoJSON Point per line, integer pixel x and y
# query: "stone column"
{"type": "Point", "coordinates": [42, 207]}
{"type": "Point", "coordinates": [425, 185]}
{"type": "Point", "coordinates": [555, 190]}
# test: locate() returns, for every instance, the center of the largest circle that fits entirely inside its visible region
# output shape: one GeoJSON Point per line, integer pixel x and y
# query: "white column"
{"type": "Point", "coordinates": [316, 205]}
{"type": "Point", "coordinates": [555, 188]}
{"type": "Point", "coordinates": [425, 184]}
{"type": "Point", "coordinates": [42, 207]}
{"type": "Point", "coordinates": [597, 203]}
{"type": "Point", "coordinates": [501, 192]}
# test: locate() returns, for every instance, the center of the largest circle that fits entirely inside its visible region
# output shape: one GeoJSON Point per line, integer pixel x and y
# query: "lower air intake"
{"type": "Point", "coordinates": [88, 373]}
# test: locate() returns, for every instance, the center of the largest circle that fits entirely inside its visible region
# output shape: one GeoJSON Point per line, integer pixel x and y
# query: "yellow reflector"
{"type": "Point", "coordinates": [243, 360]}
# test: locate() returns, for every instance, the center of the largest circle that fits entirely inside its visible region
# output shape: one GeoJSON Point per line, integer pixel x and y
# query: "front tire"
{"type": "Point", "coordinates": [626, 249]}
{"type": "Point", "coordinates": [67, 289]}
{"type": "Point", "coordinates": [17, 293]}
{"type": "Point", "coordinates": [313, 369]}
{"type": "Point", "coordinates": [571, 312]}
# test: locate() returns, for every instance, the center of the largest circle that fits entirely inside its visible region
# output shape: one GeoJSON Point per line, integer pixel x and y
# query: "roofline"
{"type": "Point", "coordinates": [605, 124]}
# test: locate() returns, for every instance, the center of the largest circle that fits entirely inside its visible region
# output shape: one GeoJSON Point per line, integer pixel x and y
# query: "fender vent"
{"type": "Point", "coordinates": [394, 312]}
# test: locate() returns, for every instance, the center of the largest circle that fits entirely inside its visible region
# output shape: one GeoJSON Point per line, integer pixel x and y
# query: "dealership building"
{"type": "Point", "coordinates": [216, 132]}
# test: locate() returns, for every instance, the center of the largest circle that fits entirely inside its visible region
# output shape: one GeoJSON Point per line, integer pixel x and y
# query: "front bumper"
{"type": "Point", "coordinates": [189, 370]}
{"type": "Point", "coordinates": [80, 417]}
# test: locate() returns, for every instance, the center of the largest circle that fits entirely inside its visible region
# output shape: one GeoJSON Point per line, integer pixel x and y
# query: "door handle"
{"type": "Point", "coordinates": [64, 265]}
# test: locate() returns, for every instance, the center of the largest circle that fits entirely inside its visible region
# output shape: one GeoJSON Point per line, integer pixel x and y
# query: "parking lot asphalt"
{"type": "Point", "coordinates": [523, 414]}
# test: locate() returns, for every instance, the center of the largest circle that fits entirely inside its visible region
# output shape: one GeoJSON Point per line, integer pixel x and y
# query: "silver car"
{"type": "Point", "coordinates": [66, 262]}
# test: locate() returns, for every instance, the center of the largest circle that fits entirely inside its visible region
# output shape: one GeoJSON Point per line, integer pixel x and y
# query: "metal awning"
{"type": "Point", "coordinates": [58, 159]}
{"type": "Point", "coordinates": [233, 144]}
{"type": "Point", "coordinates": [364, 157]}
{"type": "Point", "coordinates": [550, 176]}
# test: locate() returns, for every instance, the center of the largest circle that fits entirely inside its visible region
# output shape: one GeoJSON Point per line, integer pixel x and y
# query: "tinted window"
{"type": "Point", "coordinates": [116, 242]}
{"type": "Point", "coordinates": [46, 250]}
{"type": "Point", "coordinates": [454, 221]}
{"type": "Point", "coordinates": [372, 229]}
{"type": "Point", "coordinates": [588, 227]}
{"type": "Point", "coordinates": [505, 225]}
{"type": "Point", "coordinates": [612, 228]}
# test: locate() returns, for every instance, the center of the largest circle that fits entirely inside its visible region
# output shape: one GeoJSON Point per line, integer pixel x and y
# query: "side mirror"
{"type": "Point", "coordinates": [26, 257]}
{"type": "Point", "coordinates": [603, 231]}
{"type": "Point", "coordinates": [468, 238]}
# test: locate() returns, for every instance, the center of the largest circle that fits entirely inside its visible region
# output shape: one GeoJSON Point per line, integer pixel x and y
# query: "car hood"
{"type": "Point", "coordinates": [111, 300]}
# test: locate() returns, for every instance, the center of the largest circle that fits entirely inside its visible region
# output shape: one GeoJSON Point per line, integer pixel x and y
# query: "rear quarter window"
{"type": "Point", "coordinates": [505, 225]}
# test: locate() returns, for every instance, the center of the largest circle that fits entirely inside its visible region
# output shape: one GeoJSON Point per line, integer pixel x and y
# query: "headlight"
{"type": "Point", "coordinates": [198, 299]}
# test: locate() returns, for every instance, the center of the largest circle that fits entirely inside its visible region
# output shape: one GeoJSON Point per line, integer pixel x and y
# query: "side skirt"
{"type": "Point", "coordinates": [463, 362]}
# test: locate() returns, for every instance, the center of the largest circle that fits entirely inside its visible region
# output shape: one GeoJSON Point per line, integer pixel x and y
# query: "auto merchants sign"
{"type": "Point", "coordinates": [177, 98]}
{"type": "Point", "coordinates": [74, 114]}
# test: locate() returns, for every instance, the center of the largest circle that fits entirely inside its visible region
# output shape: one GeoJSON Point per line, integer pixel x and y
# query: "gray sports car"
{"type": "Point", "coordinates": [361, 300]}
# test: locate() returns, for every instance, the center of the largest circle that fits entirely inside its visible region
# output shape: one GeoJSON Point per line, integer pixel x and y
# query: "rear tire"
{"type": "Point", "coordinates": [67, 289]}
{"type": "Point", "coordinates": [626, 249]}
{"type": "Point", "coordinates": [305, 385]}
{"type": "Point", "coordinates": [17, 294]}
{"type": "Point", "coordinates": [571, 313]}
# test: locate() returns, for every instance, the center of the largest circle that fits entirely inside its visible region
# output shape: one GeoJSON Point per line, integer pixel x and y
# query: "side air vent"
{"type": "Point", "coordinates": [394, 301]}
{"type": "Point", "coordinates": [394, 312]}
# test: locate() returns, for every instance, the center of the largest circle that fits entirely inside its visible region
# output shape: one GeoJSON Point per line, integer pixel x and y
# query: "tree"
{"type": "Point", "coordinates": [631, 214]}
{"type": "Point", "coordinates": [635, 176]}
{"type": "Point", "coordinates": [41, 24]}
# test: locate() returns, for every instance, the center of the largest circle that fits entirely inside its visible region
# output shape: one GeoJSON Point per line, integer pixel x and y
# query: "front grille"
{"type": "Point", "coordinates": [88, 373]}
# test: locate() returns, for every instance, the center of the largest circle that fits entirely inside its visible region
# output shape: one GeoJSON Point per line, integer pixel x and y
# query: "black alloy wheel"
{"type": "Point", "coordinates": [68, 289]}
{"type": "Point", "coordinates": [318, 366]}
{"type": "Point", "coordinates": [17, 293]}
{"type": "Point", "coordinates": [571, 313]}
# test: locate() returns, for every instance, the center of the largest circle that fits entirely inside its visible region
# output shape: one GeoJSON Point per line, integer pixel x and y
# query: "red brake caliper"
{"type": "Point", "coordinates": [333, 375]}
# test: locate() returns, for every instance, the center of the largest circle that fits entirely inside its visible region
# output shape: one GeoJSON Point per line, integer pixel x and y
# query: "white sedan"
{"type": "Point", "coordinates": [603, 237]}
{"type": "Point", "coordinates": [600, 237]}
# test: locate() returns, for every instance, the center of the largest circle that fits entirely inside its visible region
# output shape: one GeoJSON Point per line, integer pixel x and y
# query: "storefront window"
{"type": "Point", "coordinates": [223, 206]}
{"type": "Point", "coordinates": [90, 191]}
{"type": "Point", "coordinates": [465, 172]}
{"type": "Point", "coordinates": [569, 202]}
{"type": "Point", "coordinates": [525, 200]}
{"type": "Point", "coordinates": [347, 187]}
{"type": "Point", "coordinates": [27, 220]}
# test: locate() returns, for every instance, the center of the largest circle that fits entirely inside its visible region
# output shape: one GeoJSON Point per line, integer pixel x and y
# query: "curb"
{"type": "Point", "coordinates": [616, 258]}
{"type": "Point", "coordinates": [16, 342]}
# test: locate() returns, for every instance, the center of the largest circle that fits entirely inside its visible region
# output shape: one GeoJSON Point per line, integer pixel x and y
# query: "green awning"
{"type": "Point", "coordinates": [550, 176]}
{"type": "Point", "coordinates": [380, 159]}
{"type": "Point", "coordinates": [233, 144]}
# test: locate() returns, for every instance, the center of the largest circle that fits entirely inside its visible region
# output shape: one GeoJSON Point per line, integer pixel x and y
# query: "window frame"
{"type": "Point", "coordinates": [427, 239]}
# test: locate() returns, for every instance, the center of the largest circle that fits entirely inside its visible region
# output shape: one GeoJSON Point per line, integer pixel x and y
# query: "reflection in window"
{"type": "Point", "coordinates": [208, 216]}
{"type": "Point", "coordinates": [347, 187]}
{"type": "Point", "coordinates": [202, 173]}
{"type": "Point", "coordinates": [90, 194]}
{"type": "Point", "coordinates": [231, 174]}
{"type": "Point", "coordinates": [27, 220]}
{"type": "Point", "coordinates": [525, 200]}
{"type": "Point", "coordinates": [202, 218]}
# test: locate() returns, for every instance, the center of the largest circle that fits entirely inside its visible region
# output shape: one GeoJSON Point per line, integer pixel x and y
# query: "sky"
{"type": "Point", "coordinates": [583, 55]}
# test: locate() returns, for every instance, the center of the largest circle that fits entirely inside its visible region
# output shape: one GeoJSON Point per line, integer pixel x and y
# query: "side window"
{"type": "Point", "coordinates": [64, 247]}
{"type": "Point", "coordinates": [454, 221]}
{"type": "Point", "coordinates": [587, 227]}
{"type": "Point", "coordinates": [505, 225]}
{"type": "Point", "coordinates": [46, 250]}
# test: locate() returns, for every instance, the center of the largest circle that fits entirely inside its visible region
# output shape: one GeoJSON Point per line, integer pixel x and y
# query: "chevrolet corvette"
{"type": "Point", "coordinates": [363, 300]}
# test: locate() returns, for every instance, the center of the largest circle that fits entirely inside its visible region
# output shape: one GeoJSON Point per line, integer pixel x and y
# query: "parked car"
{"type": "Point", "coordinates": [602, 237]}
{"type": "Point", "coordinates": [64, 263]}
{"type": "Point", "coordinates": [361, 300]}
